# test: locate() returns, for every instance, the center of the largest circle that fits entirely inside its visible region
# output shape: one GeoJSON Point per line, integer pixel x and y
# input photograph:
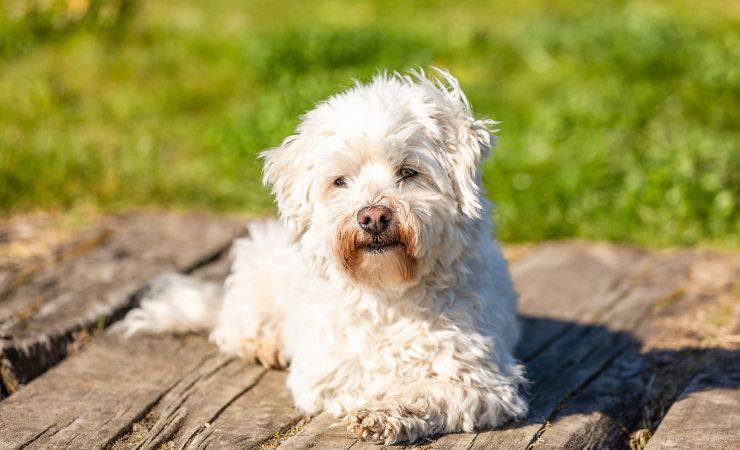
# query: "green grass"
{"type": "Point", "coordinates": [620, 120]}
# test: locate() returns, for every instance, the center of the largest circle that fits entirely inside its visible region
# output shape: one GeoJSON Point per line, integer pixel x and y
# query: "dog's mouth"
{"type": "Point", "coordinates": [380, 244]}
{"type": "Point", "coordinates": [381, 247]}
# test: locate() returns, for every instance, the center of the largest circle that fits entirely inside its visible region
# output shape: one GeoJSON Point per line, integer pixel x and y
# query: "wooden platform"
{"type": "Point", "coordinates": [623, 347]}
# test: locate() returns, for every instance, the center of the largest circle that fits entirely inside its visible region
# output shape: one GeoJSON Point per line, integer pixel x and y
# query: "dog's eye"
{"type": "Point", "coordinates": [407, 172]}
{"type": "Point", "coordinates": [340, 182]}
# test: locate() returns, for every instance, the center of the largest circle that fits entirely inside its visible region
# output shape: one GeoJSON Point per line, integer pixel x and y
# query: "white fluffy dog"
{"type": "Point", "coordinates": [382, 288]}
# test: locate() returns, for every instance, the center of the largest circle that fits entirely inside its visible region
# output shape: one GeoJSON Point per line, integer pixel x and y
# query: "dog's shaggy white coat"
{"type": "Point", "coordinates": [406, 334]}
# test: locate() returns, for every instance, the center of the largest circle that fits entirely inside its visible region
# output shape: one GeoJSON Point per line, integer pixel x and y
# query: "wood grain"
{"type": "Point", "coordinates": [93, 397]}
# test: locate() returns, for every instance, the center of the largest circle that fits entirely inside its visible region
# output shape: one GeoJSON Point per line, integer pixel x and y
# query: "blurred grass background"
{"type": "Point", "coordinates": [620, 120]}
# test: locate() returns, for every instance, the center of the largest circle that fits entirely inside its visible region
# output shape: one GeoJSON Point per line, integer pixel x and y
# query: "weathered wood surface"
{"type": "Point", "coordinates": [94, 279]}
{"type": "Point", "coordinates": [587, 310]}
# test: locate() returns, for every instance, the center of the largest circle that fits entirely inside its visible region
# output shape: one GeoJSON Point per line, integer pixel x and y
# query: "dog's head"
{"type": "Point", "coordinates": [381, 183]}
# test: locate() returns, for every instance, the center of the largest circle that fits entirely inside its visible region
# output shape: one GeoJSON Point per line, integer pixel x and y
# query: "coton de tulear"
{"type": "Point", "coordinates": [381, 286]}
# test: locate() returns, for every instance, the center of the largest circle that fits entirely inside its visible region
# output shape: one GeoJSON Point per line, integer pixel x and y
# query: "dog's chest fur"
{"type": "Point", "coordinates": [367, 348]}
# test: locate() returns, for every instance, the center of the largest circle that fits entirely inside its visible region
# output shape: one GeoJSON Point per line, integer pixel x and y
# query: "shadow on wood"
{"type": "Point", "coordinates": [608, 403]}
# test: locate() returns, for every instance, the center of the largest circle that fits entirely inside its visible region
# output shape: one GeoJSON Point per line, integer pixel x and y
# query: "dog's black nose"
{"type": "Point", "coordinates": [374, 219]}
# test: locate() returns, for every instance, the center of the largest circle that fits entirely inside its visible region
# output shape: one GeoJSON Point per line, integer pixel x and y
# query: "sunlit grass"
{"type": "Point", "coordinates": [619, 119]}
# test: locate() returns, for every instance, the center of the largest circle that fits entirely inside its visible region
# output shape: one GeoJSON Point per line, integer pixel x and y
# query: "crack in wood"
{"type": "Point", "coordinates": [51, 431]}
{"type": "Point", "coordinates": [170, 419]}
{"type": "Point", "coordinates": [472, 443]}
{"type": "Point", "coordinates": [35, 437]}
{"type": "Point", "coordinates": [286, 432]}
{"type": "Point", "coordinates": [218, 413]}
{"type": "Point", "coordinates": [148, 408]}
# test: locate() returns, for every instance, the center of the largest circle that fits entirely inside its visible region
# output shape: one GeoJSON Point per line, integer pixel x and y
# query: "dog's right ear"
{"type": "Point", "coordinates": [287, 172]}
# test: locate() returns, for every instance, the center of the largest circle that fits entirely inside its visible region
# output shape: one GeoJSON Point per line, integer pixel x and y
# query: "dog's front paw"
{"type": "Point", "coordinates": [264, 352]}
{"type": "Point", "coordinates": [374, 423]}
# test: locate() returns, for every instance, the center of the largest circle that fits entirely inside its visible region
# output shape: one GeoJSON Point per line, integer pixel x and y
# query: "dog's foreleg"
{"type": "Point", "coordinates": [431, 408]}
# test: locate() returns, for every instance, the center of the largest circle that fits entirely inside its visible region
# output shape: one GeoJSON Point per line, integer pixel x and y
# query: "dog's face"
{"type": "Point", "coordinates": [381, 183]}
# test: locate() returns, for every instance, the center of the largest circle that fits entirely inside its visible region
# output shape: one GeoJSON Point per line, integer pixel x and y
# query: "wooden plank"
{"type": "Point", "coordinates": [706, 415]}
{"type": "Point", "coordinates": [59, 305]}
{"type": "Point", "coordinates": [28, 244]}
{"type": "Point", "coordinates": [253, 418]}
{"type": "Point", "coordinates": [94, 396]}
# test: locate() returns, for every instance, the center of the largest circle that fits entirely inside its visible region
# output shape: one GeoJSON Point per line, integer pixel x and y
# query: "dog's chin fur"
{"type": "Point", "coordinates": [406, 333]}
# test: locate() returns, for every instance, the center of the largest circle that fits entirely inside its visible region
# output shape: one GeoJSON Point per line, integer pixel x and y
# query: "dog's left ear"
{"type": "Point", "coordinates": [471, 143]}
{"type": "Point", "coordinates": [467, 143]}
{"type": "Point", "coordinates": [287, 171]}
